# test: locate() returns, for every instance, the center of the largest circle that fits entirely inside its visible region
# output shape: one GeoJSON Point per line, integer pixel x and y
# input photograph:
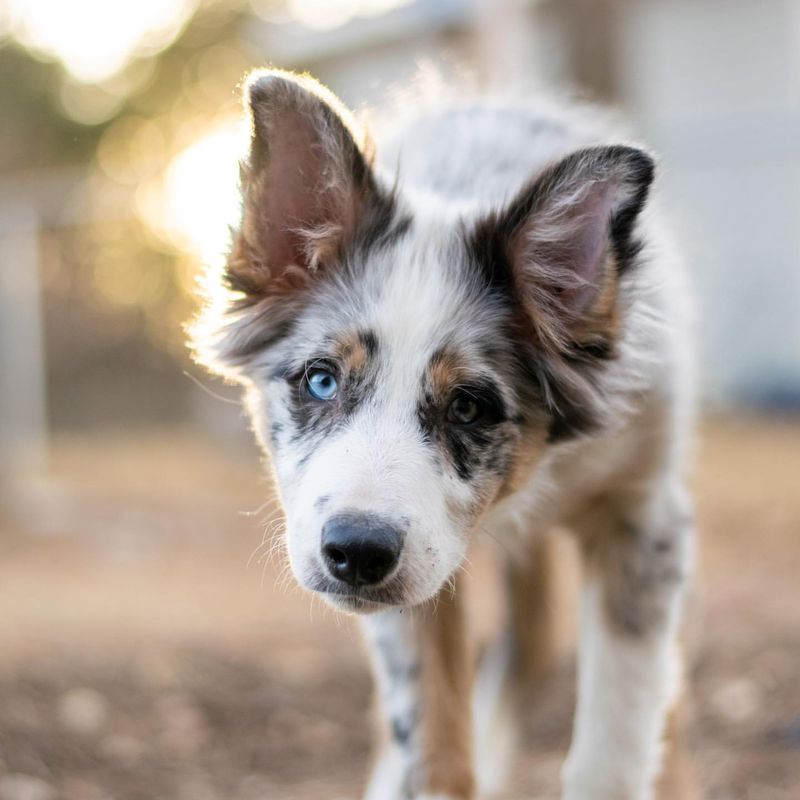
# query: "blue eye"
{"type": "Point", "coordinates": [321, 384]}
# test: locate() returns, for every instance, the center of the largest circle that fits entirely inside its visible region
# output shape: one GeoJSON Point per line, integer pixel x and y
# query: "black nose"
{"type": "Point", "coordinates": [360, 549]}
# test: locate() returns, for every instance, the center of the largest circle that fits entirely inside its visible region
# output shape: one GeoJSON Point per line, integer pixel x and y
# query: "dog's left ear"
{"type": "Point", "coordinates": [564, 241]}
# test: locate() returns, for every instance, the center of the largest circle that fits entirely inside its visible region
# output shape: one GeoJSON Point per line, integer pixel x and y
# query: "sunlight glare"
{"type": "Point", "coordinates": [201, 192]}
{"type": "Point", "coordinates": [94, 39]}
{"type": "Point", "coordinates": [324, 14]}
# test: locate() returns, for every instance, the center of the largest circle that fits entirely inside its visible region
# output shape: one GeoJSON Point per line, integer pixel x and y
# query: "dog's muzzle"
{"type": "Point", "coordinates": [360, 549]}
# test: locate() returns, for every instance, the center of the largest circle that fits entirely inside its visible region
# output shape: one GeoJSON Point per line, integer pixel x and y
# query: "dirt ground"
{"type": "Point", "coordinates": [149, 650]}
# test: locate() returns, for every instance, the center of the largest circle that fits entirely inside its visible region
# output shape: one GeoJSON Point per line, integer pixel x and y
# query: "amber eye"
{"type": "Point", "coordinates": [464, 410]}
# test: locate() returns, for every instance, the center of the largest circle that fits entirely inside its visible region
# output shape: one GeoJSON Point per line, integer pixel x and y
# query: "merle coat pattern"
{"type": "Point", "coordinates": [490, 336]}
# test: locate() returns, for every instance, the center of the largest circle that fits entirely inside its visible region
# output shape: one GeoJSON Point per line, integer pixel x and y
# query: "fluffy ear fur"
{"type": "Point", "coordinates": [306, 184]}
{"type": "Point", "coordinates": [308, 195]}
{"type": "Point", "coordinates": [569, 236]}
{"type": "Point", "coordinates": [560, 248]}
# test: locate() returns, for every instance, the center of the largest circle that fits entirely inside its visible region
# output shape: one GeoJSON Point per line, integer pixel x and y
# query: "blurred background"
{"type": "Point", "coordinates": [151, 647]}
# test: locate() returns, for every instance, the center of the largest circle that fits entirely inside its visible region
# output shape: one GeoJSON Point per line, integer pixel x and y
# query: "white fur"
{"type": "Point", "coordinates": [495, 722]}
{"type": "Point", "coordinates": [624, 690]}
{"type": "Point", "coordinates": [399, 696]}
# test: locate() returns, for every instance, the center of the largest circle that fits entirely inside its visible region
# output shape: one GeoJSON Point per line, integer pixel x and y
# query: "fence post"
{"type": "Point", "coordinates": [23, 415]}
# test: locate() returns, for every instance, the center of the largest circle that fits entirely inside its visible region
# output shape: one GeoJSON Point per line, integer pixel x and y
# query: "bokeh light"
{"type": "Point", "coordinates": [94, 39]}
{"type": "Point", "coordinates": [200, 198]}
{"type": "Point", "coordinates": [333, 13]}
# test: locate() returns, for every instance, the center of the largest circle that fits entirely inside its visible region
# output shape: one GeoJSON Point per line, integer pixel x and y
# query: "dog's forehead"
{"type": "Point", "coordinates": [417, 294]}
{"type": "Point", "coordinates": [424, 296]}
{"type": "Point", "coordinates": [416, 297]}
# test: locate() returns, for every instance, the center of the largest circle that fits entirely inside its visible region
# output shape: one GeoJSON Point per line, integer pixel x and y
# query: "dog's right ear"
{"type": "Point", "coordinates": [309, 195]}
{"type": "Point", "coordinates": [307, 185]}
{"type": "Point", "coordinates": [308, 191]}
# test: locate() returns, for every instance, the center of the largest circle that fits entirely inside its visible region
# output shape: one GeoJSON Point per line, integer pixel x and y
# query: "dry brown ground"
{"type": "Point", "coordinates": [142, 658]}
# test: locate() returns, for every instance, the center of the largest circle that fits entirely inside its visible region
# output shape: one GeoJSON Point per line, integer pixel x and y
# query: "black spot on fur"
{"type": "Point", "coordinates": [487, 242]}
{"type": "Point", "coordinates": [570, 412]}
{"type": "Point", "coordinates": [468, 446]}
{"type": "Point", "coordinates": [381, 225]}
{"type": "Point", "coordinates": [463, 457]}
{"type": "Point", "coordinates": [370, 342]}
{"type": "Point", "coordinates": [627, 246]}
{"type": "Point", "coordinates": [403, 727]}
{"type": "Point", "coordinates": [648, 570]}
{"type": "Point", "coordinates": [570, 421]}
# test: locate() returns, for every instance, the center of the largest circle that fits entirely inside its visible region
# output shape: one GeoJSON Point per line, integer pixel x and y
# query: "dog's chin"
{"type": "Point", "coordinates": [359, 600]}
{"type": "Point", "coordinates": [362, 600]}
{"type": "Point", "coordinates": [356, 604]}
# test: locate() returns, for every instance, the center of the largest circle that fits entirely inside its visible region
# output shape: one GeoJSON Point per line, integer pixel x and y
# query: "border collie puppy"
{"type": "Point", "coordinates": [491, 336]}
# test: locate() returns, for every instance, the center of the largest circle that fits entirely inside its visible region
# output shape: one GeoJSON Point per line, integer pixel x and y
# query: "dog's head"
{"type": "Point", "coordinates": [407, 364]}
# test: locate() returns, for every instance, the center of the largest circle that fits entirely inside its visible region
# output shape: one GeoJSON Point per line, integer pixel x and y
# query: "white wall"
{"type": "Point", "coordinates": [715, 86]}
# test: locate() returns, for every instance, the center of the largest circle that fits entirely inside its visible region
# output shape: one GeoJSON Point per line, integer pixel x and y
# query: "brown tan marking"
{"type": "Point", "coordinates": [678, 780]}
{"type": "Point", "coordinates": [351, 353]}
{"type": "Point", "coordinates": [446, 686]}
{"type": "Point", "coordinates": [601, 319]}
{"type": "Point", "coordinates": [532, 596]}
{"type": "Point", "coordinates": [528, 453]}
{"type": "Point", "coordinates": [444, 373]}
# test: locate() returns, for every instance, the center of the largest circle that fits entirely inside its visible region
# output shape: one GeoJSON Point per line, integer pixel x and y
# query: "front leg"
{"type": "Point", "coordinates": [637, 553]}
{"type": "Point", "coordinates": [423, 675]}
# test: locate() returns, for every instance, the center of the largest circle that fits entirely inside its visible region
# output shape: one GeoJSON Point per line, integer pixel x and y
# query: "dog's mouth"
{"type": "Point", "coordinates": [358, 599]}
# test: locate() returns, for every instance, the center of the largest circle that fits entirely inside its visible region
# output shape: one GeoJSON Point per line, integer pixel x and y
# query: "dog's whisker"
{"type": "Point", "coordinates": [497, 540]}
{"type": "Point", "coordinates": [270, 502]}
{"type": "Point", "coordinates": [210, 392]}
{"type": "Point", "coordinates": [271, 541]}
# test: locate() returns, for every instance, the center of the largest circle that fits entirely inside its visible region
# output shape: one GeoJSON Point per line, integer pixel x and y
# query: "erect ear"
{"type": "Point", "coordinates": [307, 185]}
{"type": "Point", "coordinates": [308, 195]}
{"type": "Point", "coordinates": [567, 238]}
